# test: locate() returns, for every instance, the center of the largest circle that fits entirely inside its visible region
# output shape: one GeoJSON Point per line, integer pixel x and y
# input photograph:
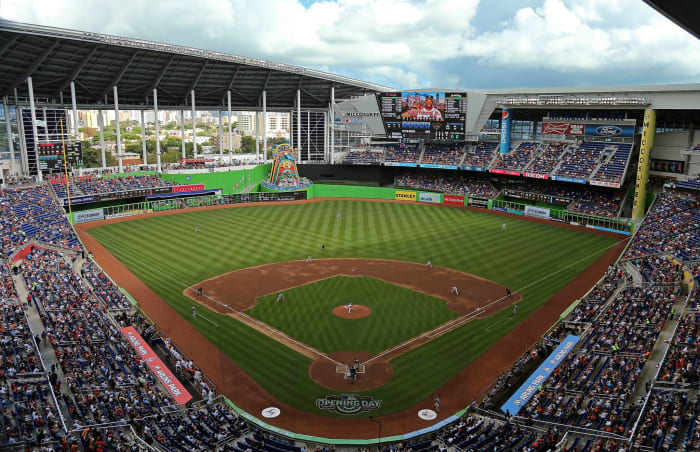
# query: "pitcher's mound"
{"type": "Point", "coordinates": [358, 311]}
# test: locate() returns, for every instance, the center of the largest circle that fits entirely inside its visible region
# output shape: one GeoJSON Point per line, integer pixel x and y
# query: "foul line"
{"type": "Point", "coordinates": [268, 327]}
{"type": "Point", "coordinates": [216, 325]}
{"type": "Point", "coordinates": [459, 321]}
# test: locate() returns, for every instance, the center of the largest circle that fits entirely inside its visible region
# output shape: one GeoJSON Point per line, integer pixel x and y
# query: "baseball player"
{"type": "Point", "coordinates": [454, 290]}
{"type": "Point", "coordinates": [503, 227]}
{"type": "Point", "coordinates": [429, 264]}
{"type": "Point", "coordinates": [515, 309]}
{"type": "Point", "coordinates": [338, 216]}
{"type": "Point", "coordinates": [194, 311]}
{"type": "Point", "coordinates": [308, 260]}
{"type": "Point", "coordinates": [196, 229]}
{"type": "Point", "coordinates": [280, 296]}
{"type": "Point", "coordinates": [436, 403]}
{"type": "Point", "coordinates": [349, 307]}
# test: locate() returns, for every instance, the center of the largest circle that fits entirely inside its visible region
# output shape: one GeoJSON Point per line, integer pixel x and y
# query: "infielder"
{"type": "Point", "coordinates": [454, 290]}
{"type": "Point", "coordinates": [308, 260]}
{"type": "Point", "coordinates": [429, 264]}
{"type": "Point", "coordinates": [280, 296]}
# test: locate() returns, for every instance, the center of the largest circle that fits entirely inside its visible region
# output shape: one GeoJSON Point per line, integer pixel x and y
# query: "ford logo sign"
{"type": "Point", "coordinates": [608, 130]}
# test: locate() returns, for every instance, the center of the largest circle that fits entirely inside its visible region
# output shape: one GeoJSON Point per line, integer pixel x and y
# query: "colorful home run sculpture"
{"type": "Point", "coordinates": [284, 174]}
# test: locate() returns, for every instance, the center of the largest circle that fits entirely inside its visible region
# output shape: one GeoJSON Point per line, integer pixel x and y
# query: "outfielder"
{"type": "Point", "coordinates": [280, 296]}
{"type": "Point", "coordinates": [503, 227]}
{"type": "Point", "coordinates": [308, 260]}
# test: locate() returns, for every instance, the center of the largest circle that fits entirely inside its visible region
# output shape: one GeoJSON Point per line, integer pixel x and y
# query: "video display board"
{"type": "Point", "coordinates": [51, 156]}
{"type": "Point", "coordinates": [415, 114]}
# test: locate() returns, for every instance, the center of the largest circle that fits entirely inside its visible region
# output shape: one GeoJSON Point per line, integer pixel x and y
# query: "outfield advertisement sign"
{"type": "Point", "coordinates": [453, 200]}
{"type": "Point", "coordinates": [505, 171]}
{"type": "Point", "coordinates": [602, 183]}
{"type": "Point", "coordinates": [537, 379]}
{"type": "Point", "coordinates": [88, 215]}
{"type": "Point", "coordinates": [348, 403]}
{"type": "Point", "coordinates": [429, 197]}
{"type": "Point", "coordinates": [575, 180]}
{"type": "Point", "coordinates": [160, 370]}
{"type": "Point", "coordinates": [187, 188]}
{"type": "Point", "coordinates": [478, 202]}
{"type": "Point", "coordinates": [537, 212]}
{"type": "Point", "coordinates": [401, 195]}
{"type": "Point", "coordinates": [410, 165]}
{"type": "Point", "coordinates": [437, 166]}
{"type": "Point", "coordinates": [474, 168]}
{"type": "Point", "coordinates": [608, 130]}
{"type": "Point", "coordinates": [562, 128]}
{"type": "Point", "coordinates": [536, 175]}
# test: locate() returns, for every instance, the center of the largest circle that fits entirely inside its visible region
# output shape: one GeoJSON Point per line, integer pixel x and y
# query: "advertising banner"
{"type": "Point", "coordinates": [160, 370]}
{"type": "Point", "coordinates": [536, 175]}
{"type": "Point", "coordinates": [575, 180]}
{"type": "Point", "coordinates": [505, 171]}
{"type": "Point", "coordinates": [433, 165]}
{"type": "Point", "coordinates": [478, 202]}
{"type": "Point", "coordinates": [601, 183]}
{"type": "Point", "coordinates": [610, 130]}
{"type": "Point", "coordinates": [562, 128]}
{"type": "Point", "coordinates": [88, 215]}
{"type": "Point", "coordinates": [79, 199]}
{"type": "Point", "coordinates": [429, 197]}
{"type": "Point", "coordinates": [474, 168]}
{"type": "Point", "coordinates": [453, 200]}
{"type": "Point", "coordinates": [187, 188]}
{"type": "Point", "coordinates": [526, 391]}
{"type": "Point", "coordinates": [405, 195]}
{"type": "Point", "coordinates": [537, 212]}
{"type": "Point", "coordinates": [506, 121]}
{"type": "Point", "coordinates": [645, 146]}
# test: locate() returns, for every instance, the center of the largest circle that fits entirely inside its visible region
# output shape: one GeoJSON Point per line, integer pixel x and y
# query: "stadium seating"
{"type": "Point", "coordinates": [518, 158]}
{"type": "Point", "coordinates": [579, 162]}
{"type": "Point", "coordinates": [614, 165]}
{"type": "Point", "coordinates": [597, 202]}
{"type": "Point", "coordinates": [93, 185]}
{"type": "Point", "coordinates": [691, 184]}
{"type": "Point", "coordinates": [481, 156]}
{"type": "Point", "coordinates": [442, 154]}
{"type": "Point", "coordinates": [403, 153]}
{"type": "Point", "coordinates": [363, 157]}
{"type": "Point", "coordinates": [455, 184]}
{"type": "Point", "coordinates": [547, 159]}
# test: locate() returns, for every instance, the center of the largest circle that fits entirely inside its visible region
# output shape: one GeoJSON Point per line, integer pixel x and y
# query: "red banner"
{"type": "Point", "coordinates": [453, 200]}
{"type": "Point", "coordinates": [505, 171]}
{"type": "Point", "coordinates": [23, 253]}
{"type": "Point", "coordinates": [186, 188]}
{"type": "Point", "coordinates": [536, 175]}
{"type": "Point", "coordinates": [563, 128]}
{"type": "Point", "coordinates": [160, 370]}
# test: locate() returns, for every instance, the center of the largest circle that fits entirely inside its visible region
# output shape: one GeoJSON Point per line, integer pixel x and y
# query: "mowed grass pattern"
{"type": "Point", "coordinates": [398, 314]}
{"type": "Point", "coordinates": [533, 258]}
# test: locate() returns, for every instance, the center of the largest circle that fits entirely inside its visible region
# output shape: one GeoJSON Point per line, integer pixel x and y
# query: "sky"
{"type": "Point", "coordinates": [405, 44]}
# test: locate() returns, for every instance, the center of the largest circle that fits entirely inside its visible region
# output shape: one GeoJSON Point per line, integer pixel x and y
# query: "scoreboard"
{"type": "Point", "coordinates": [440, 116]}
{"type": "Point", "coordinates": [51, 156]}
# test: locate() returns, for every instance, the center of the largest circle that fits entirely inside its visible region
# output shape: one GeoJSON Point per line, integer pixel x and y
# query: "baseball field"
{"type": "Point", "coordinates": [373, 254]}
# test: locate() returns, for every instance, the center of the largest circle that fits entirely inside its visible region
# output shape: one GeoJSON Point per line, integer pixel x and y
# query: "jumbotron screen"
{"type": "Point", "coordinates": [440, 116]}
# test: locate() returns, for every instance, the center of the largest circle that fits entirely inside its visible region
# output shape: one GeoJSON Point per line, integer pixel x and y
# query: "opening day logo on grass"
{"type": "Point", "coordinates": [348, 403]}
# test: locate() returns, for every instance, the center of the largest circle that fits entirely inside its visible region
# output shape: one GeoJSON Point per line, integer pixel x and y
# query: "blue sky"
{"type": "Point", "coordinates": [470, 44]}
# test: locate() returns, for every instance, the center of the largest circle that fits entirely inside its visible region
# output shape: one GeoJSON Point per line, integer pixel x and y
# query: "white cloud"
{"type": "Point", "coordinates": [402, 42]}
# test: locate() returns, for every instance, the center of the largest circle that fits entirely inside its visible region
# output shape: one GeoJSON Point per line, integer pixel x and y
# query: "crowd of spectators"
{"type": "Point", "coordinates": [403, 153]}
{"type": "Point", "coordinates": [579, 162]}
{"type": "Point", "coordinates": [363, 157]}
{"type": "Point", "coordinates": [518, 158]}
{"type": "Point", "coordinates": [462, 184]}
{"type": "Point", "coordinates": [613, 168]}
{"type": "Point", "coordinates": [547, 159]}
{"type": "Point", "coordinates": [94, 185]}
{"type": "Point", "coordinates": [670, 227]}
{"type": "Point", "coordinates": [31, 214]}
{"type": "Point", "coordinates": [442, 154]}
{"type": "Point", "coordinates": [597, 202]}
{"type": "Point", "coordinates": [481, 155]}
{"type": "Point", "coordinates": [668, 414]}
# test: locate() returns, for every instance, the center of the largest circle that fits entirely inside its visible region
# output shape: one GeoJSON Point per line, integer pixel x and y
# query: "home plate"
{"type": "Point", "coordinates": [427, 415]}
{"type": "Point", "coordinates": [271, 412]}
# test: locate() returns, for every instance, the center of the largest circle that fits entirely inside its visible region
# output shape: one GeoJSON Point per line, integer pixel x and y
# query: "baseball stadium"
{"type": "Point", "coordinates": [410, 269]}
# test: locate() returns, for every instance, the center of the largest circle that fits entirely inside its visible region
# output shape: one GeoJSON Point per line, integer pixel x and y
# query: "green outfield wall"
{"type": "Point", "coordinates": [229, 182]}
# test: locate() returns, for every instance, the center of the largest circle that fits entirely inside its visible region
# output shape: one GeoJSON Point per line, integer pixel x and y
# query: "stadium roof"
{"type": "Point", "coordinates": [685, 13]}
{"type": "Point", "coordinates": [53, 57]}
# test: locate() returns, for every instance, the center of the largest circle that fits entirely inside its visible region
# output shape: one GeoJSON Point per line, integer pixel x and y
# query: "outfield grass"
{"type": "Point", "coordinates": [307, 314]}
{"type": "Point", "coordinates": [535, 259]}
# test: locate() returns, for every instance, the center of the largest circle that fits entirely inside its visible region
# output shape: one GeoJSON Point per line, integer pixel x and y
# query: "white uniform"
{"type": "Point", "coordinates": [196, 229]}
{"type": "Point", "coordinates": [194, 311]}
{"type": "Point", "coordinates": [280, 297]}
{"type": "Point", "coordinates": [349, 308]}
{"type": "Point", "coordinates": [454, 290]}
{"type": "Point", "coordinates": [429, 264]}
{"type": "Point", "coordinates": [308, 260]}
{"type": "Point", "coordinates": [338, 216]}
{"type": "Point", "coordinates": [503, 227]}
